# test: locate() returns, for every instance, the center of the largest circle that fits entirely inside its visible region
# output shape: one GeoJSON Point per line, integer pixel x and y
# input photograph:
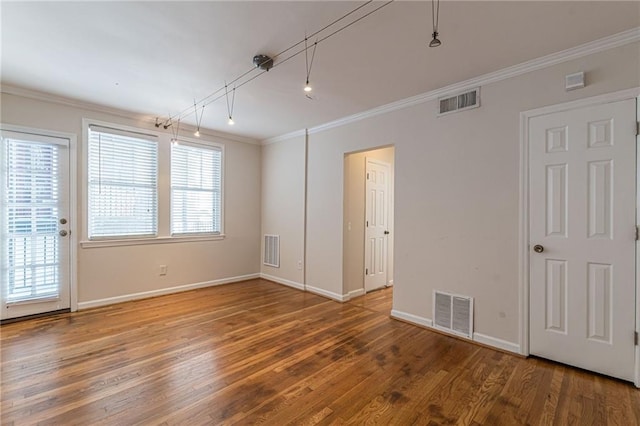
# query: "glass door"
{"type": "Point", "coordinates": [35, 241]}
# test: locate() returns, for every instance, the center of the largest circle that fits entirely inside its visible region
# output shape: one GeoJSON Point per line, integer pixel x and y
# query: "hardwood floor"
{"type": "Point", "coordinates": [261, 353]}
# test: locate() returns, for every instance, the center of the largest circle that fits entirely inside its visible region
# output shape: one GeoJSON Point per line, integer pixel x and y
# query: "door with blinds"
{"type": "Point", "coordinates": [35, 239]}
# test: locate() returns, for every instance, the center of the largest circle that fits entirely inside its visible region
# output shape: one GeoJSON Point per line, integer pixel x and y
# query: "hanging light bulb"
{"type": "Point", "coordinates": [230, 122]}
{"type": "Point", "coordinates": [307, 86]}
{"type": "Point", "coordinates": [198, 120]}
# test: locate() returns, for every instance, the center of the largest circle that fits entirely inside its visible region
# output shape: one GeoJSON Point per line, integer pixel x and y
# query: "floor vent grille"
{"type": "Point", "coordinates": [453, 313]}
{"type": "Point", "coordinates": [272, 250]}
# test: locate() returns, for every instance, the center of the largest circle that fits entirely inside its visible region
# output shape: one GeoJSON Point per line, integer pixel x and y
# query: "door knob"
{"type": "Point", "coordinates": [386, 232]}
{"type": "Point", "coordinates": [63, 221]}
{"type": "Point", "coordinates": [63, 233]}
{"type": "Point", "coordinates": [538, 248]}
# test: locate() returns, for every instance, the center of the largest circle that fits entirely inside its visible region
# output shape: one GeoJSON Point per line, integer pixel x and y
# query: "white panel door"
{"type": "Point", "coordinates": [376, 224]}
{"type": "Point", "coordinates": [582, 237]}
{"type": "Point", "coordinates": [34, 242]}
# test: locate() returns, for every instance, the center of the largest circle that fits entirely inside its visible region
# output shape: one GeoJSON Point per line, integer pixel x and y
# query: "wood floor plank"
{"type": "Point", "coordinates": [261, 353]}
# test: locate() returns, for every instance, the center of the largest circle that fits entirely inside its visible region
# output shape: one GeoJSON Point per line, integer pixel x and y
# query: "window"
{"type": "Point", "coordinates": [122, 184]}
{"type": "Point", "coordinates": [196, 175]}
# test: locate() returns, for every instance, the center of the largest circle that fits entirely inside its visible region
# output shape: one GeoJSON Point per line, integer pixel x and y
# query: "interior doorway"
{"type": "Point", "coordinates": [368, 250]}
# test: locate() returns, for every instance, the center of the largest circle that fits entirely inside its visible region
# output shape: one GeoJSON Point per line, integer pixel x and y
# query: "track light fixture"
{"type": "Point", "coordinates": [307, 86]}
{"type": "Point", "coordinates": [175, 130]}
{"type": "Point", "coordinates": [265, 63]}
{"type": "Point", "coordinates": [435, 15]}
{"type": "Point", "coordinates": [230, 122]}
{"type": "Point", "coordinates": [198, 119]}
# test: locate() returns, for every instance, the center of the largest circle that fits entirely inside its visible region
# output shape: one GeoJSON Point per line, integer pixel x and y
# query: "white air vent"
{"type": "Point", "coordinates": [272, 250]}
{"type": "Point", "coordinates": [453, 313]}
{"type": "Point", "coordinates": [459, 102]}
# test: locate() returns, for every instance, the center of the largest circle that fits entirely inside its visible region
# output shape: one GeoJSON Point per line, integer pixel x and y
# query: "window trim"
{"type": "Point", "coordinates": [163, 187]}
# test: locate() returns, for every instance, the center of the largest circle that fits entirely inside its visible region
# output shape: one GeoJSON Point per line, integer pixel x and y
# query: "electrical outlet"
{"type": "Point", "coordinates": [300, 265]}
{"type": "Point", "coordinates": [163, 270]}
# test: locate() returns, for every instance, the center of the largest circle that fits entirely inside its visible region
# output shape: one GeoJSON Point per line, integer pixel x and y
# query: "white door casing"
{"type": "Point", "coordinates": [582, 197]}
{"type": "Point", "coordinates": [35, 262]}
{"type": "Point", "coordinates": [377, 184]}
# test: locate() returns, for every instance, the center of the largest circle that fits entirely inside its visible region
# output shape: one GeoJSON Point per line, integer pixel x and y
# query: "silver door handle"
{"type": "Point", "coordinates": [538, 248]}
{"type": "Point", "coordinates": [63, 233]}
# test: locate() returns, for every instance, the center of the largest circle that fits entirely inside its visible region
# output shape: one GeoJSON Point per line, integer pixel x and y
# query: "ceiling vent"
{"type": "Point", "coordinates": [453, 313]}
{"type": "Point", "coordinates": [459, 102]}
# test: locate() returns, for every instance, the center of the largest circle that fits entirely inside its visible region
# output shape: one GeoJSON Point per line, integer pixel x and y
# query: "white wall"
{"type": "Point", "coordinates": [115, 272]}
{"type": "Point", "coordinates": [283, 207]}
{"type": "Point", "coordinates": [457, 189]}
{"type": "Point", "coordinates": [354, 217]}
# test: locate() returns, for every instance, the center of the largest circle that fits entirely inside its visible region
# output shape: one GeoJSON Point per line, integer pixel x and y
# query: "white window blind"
{"type": "Point", "coordinates": [196, 176]}
{"type": "Point", "coordinates": [30, 212]}
{"type": "Point", "coordinates": [123, 194]}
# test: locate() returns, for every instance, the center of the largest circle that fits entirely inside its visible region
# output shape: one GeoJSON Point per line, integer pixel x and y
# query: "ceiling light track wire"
{"type": "Point", "coordinates": [213, 98]}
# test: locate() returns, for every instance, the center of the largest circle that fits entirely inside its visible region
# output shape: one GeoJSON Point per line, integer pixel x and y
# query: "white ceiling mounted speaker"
{"type": "Point", "coordinates": [574, 81]}
{"type": "Point", "coordinates": [263, 62]}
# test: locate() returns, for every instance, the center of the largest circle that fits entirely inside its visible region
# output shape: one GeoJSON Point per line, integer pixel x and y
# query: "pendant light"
{"type": "Point", "coordinates": [435, 14]}
{"type": "Point", "coordinates": [230, 122]}
{"type": "Point", "coordinates": [198, 119]}
{"type": "Point", "coordinates": [307, 86]}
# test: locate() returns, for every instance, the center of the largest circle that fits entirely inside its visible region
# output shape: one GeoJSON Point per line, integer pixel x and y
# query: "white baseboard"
{"type": "Point", "coordinates": [496, 343]}
{"type": "Point", "coordinates": [329, 294]}
{"type": "Point", "coordinates": [411, 318]}
{"type": "Point", "coordinates": [315, 290]}
{"type": "Point", "coordinates": [282, 281]}
{"type": "Point", "coordinates": [477, 337]}
{"type": "Point", "coordinates": [355, 293]}
{"type": "Point", "coordinates": [162, 291]}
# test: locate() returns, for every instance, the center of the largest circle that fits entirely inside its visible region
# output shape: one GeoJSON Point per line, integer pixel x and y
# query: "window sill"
{"type": "Point", "coordinates": [150, 241]}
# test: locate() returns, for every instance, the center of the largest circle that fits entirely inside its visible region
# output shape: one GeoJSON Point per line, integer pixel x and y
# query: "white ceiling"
{"type": "Point", "coordinates": [155, 58]}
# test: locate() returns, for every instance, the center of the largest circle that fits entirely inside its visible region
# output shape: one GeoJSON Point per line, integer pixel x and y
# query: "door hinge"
{"type": "Point", "coordinates": [366, 272]}
{"type": "Point", "coordinates": [367, 176]}
{"type": "Point", "coordinates": [635, 338]}
{"type": "Point", "coordinates": [637, 128]}
{"type": "Point", "coordinates": [637, 233]}
{"type": "Point", "coordinates": [367, 224]}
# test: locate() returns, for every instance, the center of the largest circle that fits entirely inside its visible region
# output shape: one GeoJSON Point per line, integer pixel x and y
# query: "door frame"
{"type": "Point", "coordinates": [73, 200]}
{"type": "Point", "coordinates": [523, 237]}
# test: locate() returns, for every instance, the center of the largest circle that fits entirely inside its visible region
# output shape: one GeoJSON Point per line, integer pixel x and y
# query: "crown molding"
{"type": "Point", "coordinates": [75, 103]}
{"type": "Point", "coordinates": [600, 45]}
{"type": "Point", "coordinates": [286, 136]}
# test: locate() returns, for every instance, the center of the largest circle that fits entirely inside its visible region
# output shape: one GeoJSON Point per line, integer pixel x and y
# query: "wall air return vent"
{"type": "Point", "coordinates": [459, 102]}
{"type": "Point", "coordinates": [453, 313]}
{"type": "Point", "coordinates": [272, 250]}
